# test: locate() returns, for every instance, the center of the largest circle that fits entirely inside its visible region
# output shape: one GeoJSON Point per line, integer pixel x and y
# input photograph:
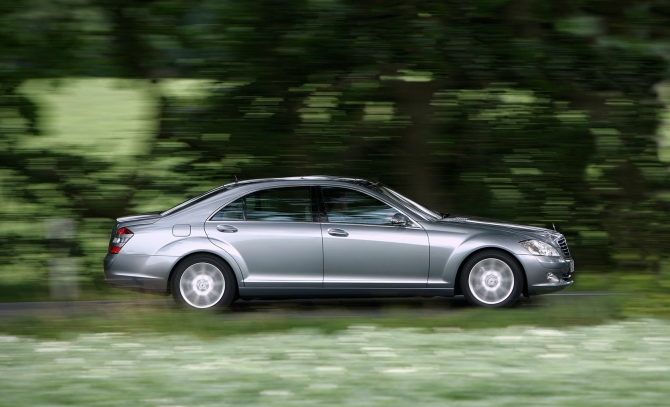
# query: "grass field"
{"type": "Point", "coordinates": [551, 351]}
{"type": "Point", "coordinates": [162, 317]}
{"type": "Point", "coordinates": [625, 363]}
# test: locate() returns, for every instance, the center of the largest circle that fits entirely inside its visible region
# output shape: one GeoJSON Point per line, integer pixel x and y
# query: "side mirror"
{"type": "Point", "coordinates": [400, 220]}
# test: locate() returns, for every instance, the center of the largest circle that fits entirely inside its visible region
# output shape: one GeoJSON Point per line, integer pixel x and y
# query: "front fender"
{"type": "Point", "coordinates": [448, 254]}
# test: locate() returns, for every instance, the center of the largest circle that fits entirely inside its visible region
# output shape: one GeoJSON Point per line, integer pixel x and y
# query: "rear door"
{"type": "Point", "coordinates": [273, 233]}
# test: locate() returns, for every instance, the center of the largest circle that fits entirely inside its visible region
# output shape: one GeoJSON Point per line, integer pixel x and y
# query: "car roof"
{"type": "Point", "coordinates": [227, 187]}
{"type": "Point", "coordinates": [303, 178]}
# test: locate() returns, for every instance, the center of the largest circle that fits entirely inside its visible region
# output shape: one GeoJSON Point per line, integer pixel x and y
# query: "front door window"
{"type": "Point", "coordinates": [349, 206]}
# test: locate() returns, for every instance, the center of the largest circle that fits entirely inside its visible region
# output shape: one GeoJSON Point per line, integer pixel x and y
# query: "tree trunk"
{"type": "Point", "coordinates": [413, 100]}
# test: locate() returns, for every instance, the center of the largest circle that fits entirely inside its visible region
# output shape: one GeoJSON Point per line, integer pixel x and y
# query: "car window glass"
{"type": "Point", "coordinates": [196, 200]}
{"type": "Point", "coordinates": [348, 206]}
{"type": "Point", "coordinates": [280, 205]}
{"type": "Point", "coordinates": [232, 211]}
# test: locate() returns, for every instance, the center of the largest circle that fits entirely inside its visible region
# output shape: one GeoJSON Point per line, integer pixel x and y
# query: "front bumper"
{"type": "Point", "coordinates": [549, 287]}
{"type": "Point", "coordinates": [537, 267]}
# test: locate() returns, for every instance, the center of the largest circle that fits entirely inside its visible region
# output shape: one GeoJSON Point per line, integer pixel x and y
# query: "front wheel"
{"type": "Point", "coordinates": [491, 279]}
{"type": "Point", "coordinates": [203, 282]}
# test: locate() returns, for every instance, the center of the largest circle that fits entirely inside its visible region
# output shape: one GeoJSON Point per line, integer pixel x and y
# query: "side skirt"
{"type": "Point", "coordinates": [289, 292]}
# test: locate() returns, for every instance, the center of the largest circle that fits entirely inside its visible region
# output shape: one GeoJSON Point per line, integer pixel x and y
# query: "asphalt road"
{"type": "Point", "coordinates": [305, 308]}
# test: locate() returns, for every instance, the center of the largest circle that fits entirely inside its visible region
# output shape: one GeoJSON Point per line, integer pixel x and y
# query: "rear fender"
{"type": "Point", "coordinates": [197, 244]}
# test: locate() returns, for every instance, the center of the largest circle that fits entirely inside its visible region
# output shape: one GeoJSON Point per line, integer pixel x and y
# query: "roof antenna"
{"type": "Point", "coordinates": [554, 227]}
{"type": "Point", "coordinates": [236, 182]}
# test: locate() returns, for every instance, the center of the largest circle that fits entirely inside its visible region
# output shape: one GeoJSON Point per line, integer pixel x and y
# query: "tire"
{"type": "Point", "coordinates": [491, 278]}
{"type": "Point", "coordinates": [203, 282]}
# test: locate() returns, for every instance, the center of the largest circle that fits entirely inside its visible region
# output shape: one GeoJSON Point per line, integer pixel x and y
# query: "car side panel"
{"type": "Point", "coordinates": [153, 251]}
{"type": "Point", "coordinates": [274, 254]}
{"type": "Point", "coordinates": [375, 256]}
{"type": "Point", "coordinates": [443, 243]}
{"type": "Point", "coordinates": [201, 244]}
{"type": "Point", "coordinates": [449, 247]}
{"type": "Point", "coordinates": [147, 240]}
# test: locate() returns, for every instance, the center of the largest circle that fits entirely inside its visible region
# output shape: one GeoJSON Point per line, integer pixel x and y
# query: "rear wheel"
{"type": "Point", "coordinates": [203, 282]}
{"type": "Point", "coordinates": [491, 279]}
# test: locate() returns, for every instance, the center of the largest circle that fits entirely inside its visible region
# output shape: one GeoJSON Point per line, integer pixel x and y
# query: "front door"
{"type": "Point", "coordinates": [272, 235]}
{"type": "Point", "coordinates": [362, 249]}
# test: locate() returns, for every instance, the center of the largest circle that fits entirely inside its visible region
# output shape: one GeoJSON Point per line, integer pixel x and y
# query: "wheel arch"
{"type": "Point", "coordinates": [457, 281]}
{"type": "Point", "coordinates": [201, 253]}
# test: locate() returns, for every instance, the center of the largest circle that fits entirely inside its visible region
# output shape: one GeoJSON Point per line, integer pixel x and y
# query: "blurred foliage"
{"type": "Point", "coordinates": [533, 111]}
{"type": "Point", "coordinates": [647, 293]}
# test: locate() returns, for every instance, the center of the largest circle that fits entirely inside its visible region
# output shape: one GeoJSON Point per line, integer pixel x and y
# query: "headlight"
{"type": "Point", "coordinates": [538, 248]}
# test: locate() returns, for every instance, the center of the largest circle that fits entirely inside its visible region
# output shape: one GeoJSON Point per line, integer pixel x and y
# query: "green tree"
{"type": "Point", "coordinates": [496, 107]}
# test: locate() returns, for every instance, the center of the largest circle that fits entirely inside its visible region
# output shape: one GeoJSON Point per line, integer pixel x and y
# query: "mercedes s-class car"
{"type": "Point", "coordinates": [322, 236]}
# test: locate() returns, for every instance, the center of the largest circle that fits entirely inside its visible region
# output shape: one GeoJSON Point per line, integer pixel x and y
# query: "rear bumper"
{"type": "Point", "coordinates": [137, 284]}
{"type": "Point", "coordinates": [139, 273]}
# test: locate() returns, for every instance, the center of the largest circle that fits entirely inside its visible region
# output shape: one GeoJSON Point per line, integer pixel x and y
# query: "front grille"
{"type": "Point", "coordinates": [564, 246]}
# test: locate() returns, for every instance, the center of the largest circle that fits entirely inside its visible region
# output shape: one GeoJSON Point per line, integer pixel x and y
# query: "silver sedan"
{"type": "Point", "coordinates": [317, 237]}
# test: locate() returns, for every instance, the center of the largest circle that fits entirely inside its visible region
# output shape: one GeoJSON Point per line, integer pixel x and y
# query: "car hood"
{"type": "Point", "coordinates": [531, 232]}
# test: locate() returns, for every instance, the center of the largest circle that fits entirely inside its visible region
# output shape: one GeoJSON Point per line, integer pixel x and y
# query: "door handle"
{"type": "Point", "coordinates": [337, 232]}
{"type": "Point", "coordinates": [226, 228]}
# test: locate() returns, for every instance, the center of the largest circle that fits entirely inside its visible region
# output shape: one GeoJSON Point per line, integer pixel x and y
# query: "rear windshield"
{"type": "Point", "coordinates": [196, 200]}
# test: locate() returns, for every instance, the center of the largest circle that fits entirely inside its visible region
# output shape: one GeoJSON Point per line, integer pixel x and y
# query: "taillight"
{"type": "Point", "coordinates": [120, 238]}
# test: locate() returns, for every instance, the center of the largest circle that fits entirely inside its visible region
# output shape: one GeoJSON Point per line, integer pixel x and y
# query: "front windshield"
{"type": "Point", "coordinates": [431, 215]}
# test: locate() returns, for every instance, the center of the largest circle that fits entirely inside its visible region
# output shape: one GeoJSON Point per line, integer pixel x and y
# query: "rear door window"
{"type": "Point", "coordinates": [291, 204]}
{"type": "Point", "coordinates": [232, 211]}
